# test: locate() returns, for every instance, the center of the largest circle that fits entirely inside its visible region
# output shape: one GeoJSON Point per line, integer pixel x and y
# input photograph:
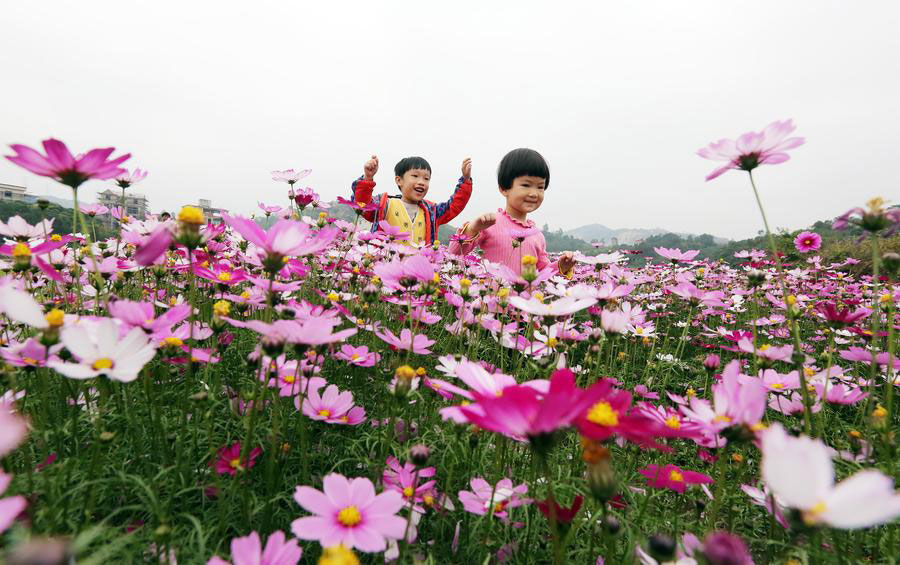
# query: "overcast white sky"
{"type": "Point", "coordinates": [210, 96]}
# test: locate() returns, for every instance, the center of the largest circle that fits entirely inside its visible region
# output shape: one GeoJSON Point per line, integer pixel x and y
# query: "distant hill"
{"type": "Point", "coordinates": [624, 236]}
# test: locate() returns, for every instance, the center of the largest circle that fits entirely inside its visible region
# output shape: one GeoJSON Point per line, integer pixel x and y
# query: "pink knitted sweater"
{"type": "Point", "coordinates": [496, 243]}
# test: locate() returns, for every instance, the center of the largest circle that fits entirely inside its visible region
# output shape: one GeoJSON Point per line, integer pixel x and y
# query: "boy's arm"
{"type": "Point", "coordinates": [362, 194]}
{"type": "Point", "coordinates": [446, 211]}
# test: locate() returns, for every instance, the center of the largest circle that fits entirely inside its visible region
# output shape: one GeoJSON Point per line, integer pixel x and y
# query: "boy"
{"type": "Point", "coordinates": [409, 210]}
{"type": "Point", "coordinates": [522, 177]}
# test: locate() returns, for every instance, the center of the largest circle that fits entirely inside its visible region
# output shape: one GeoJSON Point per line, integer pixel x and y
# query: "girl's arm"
{"type": "Point", "coordinates": [470, 235]}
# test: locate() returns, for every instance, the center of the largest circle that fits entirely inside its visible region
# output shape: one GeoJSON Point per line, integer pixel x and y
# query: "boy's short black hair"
{"type": "Point", "coordinates": [410, 163]}
{"type": "Point", "coordinates": [522, 163]}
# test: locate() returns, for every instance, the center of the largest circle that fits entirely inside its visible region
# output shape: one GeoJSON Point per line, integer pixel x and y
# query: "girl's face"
{"type": "Point", "coordinates": [414, 184]}
{"type": "Point", "coordinates": [524, 196]}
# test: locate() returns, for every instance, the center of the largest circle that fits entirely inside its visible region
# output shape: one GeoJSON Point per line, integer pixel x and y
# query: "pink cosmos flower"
{"type": "Point", "coordinates": [13, 429]}
{"type": "Point", "coordinates": [766, 351]}
{"type": "Point", "coordinates": [864, 355]}
{"type": "Point", "coordinates": [17, 228]}
{"type": "Point", "coordinates": [762, 497]}
{"type": "Point", "coordinates": [407, 273]}
{"type": "Point", "coordinates": [406, 342]}
{"type": "Point", "coordinates": [127, 179]}
{"type": "Point", "coordinates": [100, 351]}
{"type": "Point", "coordinates": [248, 550]}
{"type": "Point", "coordinates": [285, 239]}
{"type": "Point", "coordinates": [484, 497]}
{"type": "Point", "coordinates": [775, 381]}
{"type": "Point", "coordinates": [767, 147]}
{"type": "Point", "coordinates": [865, 499]}
{"type": "Point", "coordinates": [676, 254]}
{"type": "Point", "coordinates": [11, 506]}
{"type": "Point", "coordinates": [735, 401]}
{"type": "Point", "coordinates": [807, 241]}
{"type": "Point", "coordinates": [333, 407]}
{"type": "Point", "coordinates": [269, 210]}
{"type": "Point", "coordinates": [290, 176]}
{"type": "Point", "coordinates": [359, 356]}
{"type": "Point", "coordinates": [349, 513]}
{"type": "Point", "coordinates": [143, 315]}
{"type": "Point", "coordinates": [229, 460]}
{"type": "Point", "coordinates": [673, 477]}
{"type": "Point", "coordinates": [840, 317]}
{"type": "Point", "coordinates": [93, 209]}
{"type": "Point", "coordinates": [60, 165]}
{"type": "Point", "coordinates": [402, 478]}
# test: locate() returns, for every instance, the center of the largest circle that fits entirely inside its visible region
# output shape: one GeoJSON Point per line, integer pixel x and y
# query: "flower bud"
{"type": "Point", "coordinates": [712, 362]}
{"type": "Point", "coordinates": [529, 268]}
{"type": "Point", "coordinates": [891, 263]}
{"type": "Point", "coordinates": [419, 454]}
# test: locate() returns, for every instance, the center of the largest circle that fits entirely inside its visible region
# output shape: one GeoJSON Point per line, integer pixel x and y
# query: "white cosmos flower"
{"type": "Point", "coordinates": [100, 351]}
{"type": "Point", "coordinates": [799, 472]}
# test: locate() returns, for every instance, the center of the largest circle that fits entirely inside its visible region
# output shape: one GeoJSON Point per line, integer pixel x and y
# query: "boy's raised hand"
{"type": "Point", "coordinates": [467, 168]}
{"type": "Point", "coordinates": [566, 262]}
{"type": "Point", "coordinates": [481, 223]}
{"type": "Point", "coordinates": [370, 168]}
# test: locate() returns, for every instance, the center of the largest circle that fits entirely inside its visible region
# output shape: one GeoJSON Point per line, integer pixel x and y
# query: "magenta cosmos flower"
{"type": "Point", "coordinates": [484, 497]}
{"type": "Point", "coordinates": [248, 550]}
{"type": "Point", "coordinates": [349, 513]}
{"type": "Point", "coordinates": [127, 179]}
{"type": "Point", "coordinates": [60, 165]}
{"type": "Point", "coordinates": [228, 460]}
{"type": "Point", "coordinates": [766, 147]}
{"type": "Point", "coordinates": [807, 241]}
{"type": "Point", "coordinates": [521, 411]}
{"type": "Point", "coordinates": [673, 477]}
{"type": "Point", "coordinates": [359, 356]}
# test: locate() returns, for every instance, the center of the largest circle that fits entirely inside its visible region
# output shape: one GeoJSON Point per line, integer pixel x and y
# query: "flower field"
{"type": "Point", "coordinates": [317, 392]}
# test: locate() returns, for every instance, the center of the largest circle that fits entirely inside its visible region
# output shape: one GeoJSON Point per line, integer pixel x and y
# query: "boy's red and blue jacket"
{"type": "Point", "coordinates": [435, 214]}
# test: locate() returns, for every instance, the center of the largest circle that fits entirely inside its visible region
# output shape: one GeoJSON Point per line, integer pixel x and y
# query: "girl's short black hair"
{"type": "Point", "coordinates": [522, 163]}
{"type": "Point", "coordinates": [409, 163]}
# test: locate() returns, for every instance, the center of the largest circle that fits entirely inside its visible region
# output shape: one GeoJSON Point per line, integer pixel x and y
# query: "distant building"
{"type": "Point", "coordinates": [13, 192]}
{"type": "Point", "coordinates": [614, 241]}
{"type": "Point", "coordinates": [211, 214]}
{"type": "Point", "coordinates": [136, 205]}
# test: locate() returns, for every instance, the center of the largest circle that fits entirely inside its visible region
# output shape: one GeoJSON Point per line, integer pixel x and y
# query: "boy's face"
{"type": "Point", "coordinates": [525, 195]}
{"type": "Point", "coordinates": [414, 184]}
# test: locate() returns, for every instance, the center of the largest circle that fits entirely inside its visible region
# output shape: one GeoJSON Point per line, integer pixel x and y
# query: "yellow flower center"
{"type": "Point", "coordinates": [222, 308]}
{"type": "Point", "coordinates": [808, 372]}
{"type": "Point", "coordinates": [673, 422]}
{"type": "Point", "coordinates": [538, 296]}
{"type": "Point", "coordinates": [676, 476]}
{"type": "Point", "coordinates": [428, 500]}
{"type": "Point", "coordinates": [885, 298]}
{"type": "Point", "coordinates": [224, 277]}
{"type": "Point", "coordinates": [764, 347]}
{"type": "Point", "coordinates": [29, 361]}
{"type": "Point", "coordinates": [102, 363]}
{"type": "Point", "coordinates": [245, 295]}
{"type": "Point", "coordinates": [603, 414]}
{"type": "Point", "coordinates": [333, 297]}
{"type": "Point", "coordinates": [791, 299]}
{"type": "Point", "coordinates": [777, 385]}
{"type": "Point", "coordinates": [235, 463]}
{"type": "Point", "coordinates": [405, 373]}
{"type": "Point", "coordinates": [173, 341]}
{"type": "Point", "coordinates": [639, 330]}
{"type": "Point", "coordinates": [354, 357]}
{"type": "Point", "coordinates": [324, 413]}
{"type": "Point", "coordinates": [56, 237]}
{"type": "Point", "coordinates": [289, 379]}
{"type": "Point", "coordinates": [500, 506]}
{"type": "Point", "coordinates": [552, 342]}
{"type": "Point", "coordinates": [464, 283]}
{"type": "Point", "coordinates": [191, 215]}
{"type": "Point", "coordinates": [349, 516]}
{"type": "Point", "coordinates": [408, 492]}
{"type": "Point", "coordinates": [55, 317]}
{"type": "Point", "coordinates": [528, 260]}
{"type": "Point", "coordinates": [691, 392]}
{"type": "Point", "coordinates": [811, 516]}
{"type": "Point", "coordinates": [503, 293]}
{"type": "Point", "coordinates": [436, 278]}
{"type": "Point", "coordinates": [21, 250]}
{"type": "Point", "coordinates": [720, 419]}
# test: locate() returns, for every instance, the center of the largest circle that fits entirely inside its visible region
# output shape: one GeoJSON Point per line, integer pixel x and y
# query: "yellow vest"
{"type": "Point", "coordinates": [397, 216]}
